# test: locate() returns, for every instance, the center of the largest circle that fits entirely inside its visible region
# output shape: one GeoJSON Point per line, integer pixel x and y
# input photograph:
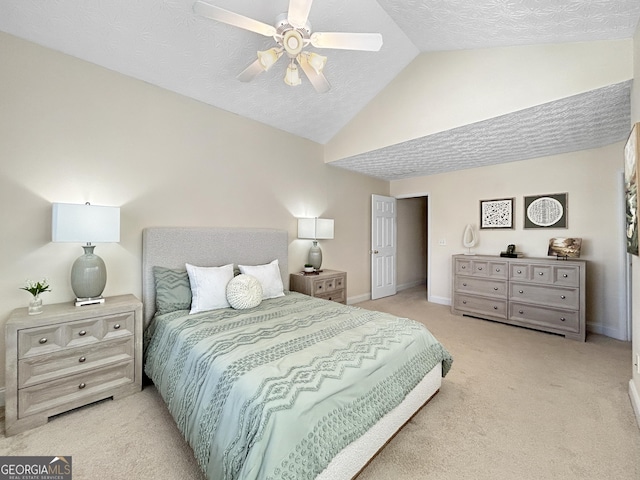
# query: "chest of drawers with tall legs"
{"type": "Point", "coordinates": [545, 294]}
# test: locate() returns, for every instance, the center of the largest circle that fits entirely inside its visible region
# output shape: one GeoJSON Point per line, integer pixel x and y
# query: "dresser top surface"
{"type": "Point", "coordinates": [554, 260]}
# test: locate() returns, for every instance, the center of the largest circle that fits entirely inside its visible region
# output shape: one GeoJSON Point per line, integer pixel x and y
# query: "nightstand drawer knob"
{"type": "Point", "coordinates": [562, 297]}
{"type": "Point", "coordinates": [520, 312]}
{"type": "Point", "coordinates": [519, 271]}
{"type": "Point", "coordinates": [42, 341]}
{"type": "Point", "coordinates": [82, 359]}
{"type": "Point", "coordinates": [540, 273]}
{"type": "Point", "coordinates": [520, 291]}
{"type": "Point", "coordinates": [82, 385]}
{"type": "Point", "coordinates": [116, 326]}
{"type": "Point", "coordinates": [495, 308]}
{"type": "Point", "coordinates": [497, 270]}
{"type": "Point", "coordinates": [495, 288]}
{"type": "Point", "coordinates": [565, 275]}
{"type": "Point", "coordinates": [82, 333]}
{"type": "Point", "coordinates": [563, 319]}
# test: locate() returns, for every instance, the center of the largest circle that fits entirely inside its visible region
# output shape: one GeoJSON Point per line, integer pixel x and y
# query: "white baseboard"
{"type": "Point", "coordinates": [439, 300]}
{"type": "Point", "coordinates": [359, 298]}
{"type": "Point", "coordinates": [635, 400]}
{"type": "Point", "coordinates": [607, 331]}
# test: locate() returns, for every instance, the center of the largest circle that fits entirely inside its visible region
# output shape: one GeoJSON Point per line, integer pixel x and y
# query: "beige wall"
{"type": "Point", "coordinates": [74, 132]}
{"type": "Point", "coordinates": [411, 241]}
{"type": "Point", "coordinates": [443, 90]}
{"type": "Point", "coordinates": [634, 384]}
{"type": "Point", "coordinates": [593, 181]}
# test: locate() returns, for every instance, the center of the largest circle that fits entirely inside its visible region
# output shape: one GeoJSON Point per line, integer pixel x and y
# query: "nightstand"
{"type": "Point", "coordinates": [327, 284]}
{"type": "Point", "coordinates": [68, 357]}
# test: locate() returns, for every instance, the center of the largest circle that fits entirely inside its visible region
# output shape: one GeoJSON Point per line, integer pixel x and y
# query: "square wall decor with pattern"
{"type": "Point", "coordinates": [496, 213]}
{"type": "Point", "coordinates": [545, 211]}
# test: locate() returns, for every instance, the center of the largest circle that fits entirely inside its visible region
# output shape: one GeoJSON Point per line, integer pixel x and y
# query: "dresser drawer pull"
{"type": "Point", "coordinates": [82, 333]}
{"type": "Point", "coordinates": [42, 341]}
{"type": "Point", "coordinates": [562, 297]}
{"type": "Point", "coordinates": [519, 271]}
{"type": "Point", "coordinates": [540, 273]}
{"type": "Point", "coordinates": [495, 308]}
{"type": "Point", "coordinates": [82, 385]}
{"type": "Point", "coordinates": [495, 288]}
{"type": "Point", "coordinates": [463, 267]}
{"type": "Point", "coordinates": [562, 319]}
{"type": "Point", "coordinates": [82, 359]}
{"type": "Point", "coordinates": [565, 275]}
{"type": "Point", "coordinates": [497, 270]}
{"type": "Point", "coordinates": [479, 268]}
{"type": "Point", "coordinates": [464, 284]}
{"type": "Point", "coordinates": [520, 291]}
{"type": "Point", "coordinates": [464, 302]}
{"type": "Point", "coordinates": [116, 326]}
{"type": "Point", "coordinates": [520, 312]}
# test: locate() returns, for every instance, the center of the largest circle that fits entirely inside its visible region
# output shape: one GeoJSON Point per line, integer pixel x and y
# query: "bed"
{"type": "Point", "coordinates": [296, 387]}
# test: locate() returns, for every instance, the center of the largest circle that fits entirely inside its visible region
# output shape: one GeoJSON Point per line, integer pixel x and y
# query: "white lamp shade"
{"type": "Point", "coordinates": [85, 223]}
{"type": "Point", "coordinates": [315, 228]}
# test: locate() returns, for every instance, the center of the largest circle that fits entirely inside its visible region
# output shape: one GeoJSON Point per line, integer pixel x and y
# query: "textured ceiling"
{"type": "Point", "coordinates": [589, 120]}
{"type": "Point", "coordinates": [164, 43]}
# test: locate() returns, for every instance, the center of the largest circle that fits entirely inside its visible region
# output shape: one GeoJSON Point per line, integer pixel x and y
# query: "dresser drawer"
{"type": "Point", "coordinates": [560, 319]}
{"type": "Point", "coordinates": [43, 368]}
{"type": "Point", "coordinates": [334, 296]}
{"type": "Point", "coordinates": [481, 286]}
{"type": "Point", "coordinates": [545, 295]}
{"type": "Point", "coordinates": [569, 276]}
{"type": "Point", "coordinates": [58, 393]}
{"type": "Point", "coordinates": [37, 341]}
{"type": "Point", "coordinates": [519, 271]}
{"type": "Point", "coordinates": [481, 306]}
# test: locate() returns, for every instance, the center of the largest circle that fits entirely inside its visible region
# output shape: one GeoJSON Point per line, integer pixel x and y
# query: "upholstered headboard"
{"type": "Point", "coordinates": [172, 247]}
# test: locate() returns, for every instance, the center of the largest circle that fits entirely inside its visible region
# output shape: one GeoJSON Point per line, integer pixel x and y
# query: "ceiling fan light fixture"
{"type": "Point", "coordinates": [292, 77]}
{"type": "Point", "coordinates": [269, 57]}
{"type": "Point", "coordinates": [316, 61]}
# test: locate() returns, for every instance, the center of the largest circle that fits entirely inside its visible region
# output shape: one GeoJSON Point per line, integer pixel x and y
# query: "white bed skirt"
{"type": "Point", "coordinates": [355, 456]}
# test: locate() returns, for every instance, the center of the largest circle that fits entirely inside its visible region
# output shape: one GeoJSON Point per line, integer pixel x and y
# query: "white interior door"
{"type": "Point", "coordinates": [383, 246]}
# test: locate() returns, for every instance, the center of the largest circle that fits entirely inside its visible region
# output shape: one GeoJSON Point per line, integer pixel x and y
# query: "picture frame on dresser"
{"type": "Point", "coordinates": [546, 211]}
{"type": "Point", "coordinates": [497, 214]}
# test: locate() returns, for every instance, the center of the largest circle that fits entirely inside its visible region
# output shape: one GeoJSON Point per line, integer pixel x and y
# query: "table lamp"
{"type": "Point", "coordinates": [315, 229]}
{"type": "Point", "coordinates": [86, 224]}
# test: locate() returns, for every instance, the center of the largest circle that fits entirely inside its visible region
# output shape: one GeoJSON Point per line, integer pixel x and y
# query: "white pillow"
{"type": "Point", "coordinates": [269, 277]}
{"type": "Point", "coordinates": [244, 291]}
{"type": "Point", "coordinates": [209, 287]}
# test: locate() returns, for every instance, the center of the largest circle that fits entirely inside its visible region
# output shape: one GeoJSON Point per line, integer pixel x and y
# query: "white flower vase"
{"type": "Point", "coordinates": [35, 305]}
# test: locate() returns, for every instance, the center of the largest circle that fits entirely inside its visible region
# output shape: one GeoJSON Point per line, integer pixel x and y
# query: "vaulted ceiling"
{"type": "Point", "coordinates": [164, 43]}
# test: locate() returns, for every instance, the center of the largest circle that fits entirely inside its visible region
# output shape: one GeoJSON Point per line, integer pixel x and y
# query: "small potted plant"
{"type": "Point", "coordinates": [35, 289]}
{"type": "Point", "coordinates": [308, 268]}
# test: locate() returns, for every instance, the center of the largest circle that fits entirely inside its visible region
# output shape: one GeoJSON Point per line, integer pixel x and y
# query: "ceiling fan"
{"type": "Point", "coordinates": [292, 34]}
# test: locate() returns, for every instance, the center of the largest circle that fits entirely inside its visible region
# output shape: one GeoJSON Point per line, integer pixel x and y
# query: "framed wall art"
{"type": "Point", "coordinates": [545, 211]}
{"type": "Point", "coordinates": [631, 188]}
{"type": "Point", "coordinates": [496, 214]}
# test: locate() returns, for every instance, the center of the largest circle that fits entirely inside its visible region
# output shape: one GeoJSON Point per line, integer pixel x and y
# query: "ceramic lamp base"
{"type": "Point", "coordinates": [88, 275]}
{"type": "Point", "coordinates": [315, 255]}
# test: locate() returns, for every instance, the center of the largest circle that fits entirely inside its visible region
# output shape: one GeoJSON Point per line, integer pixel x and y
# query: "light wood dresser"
{"type": "Point", "coordinates": [69, 356]}
{"type": "Point", "coordinates": [327, 284]}
{"type": "Point", "coordinates": [545, 294]}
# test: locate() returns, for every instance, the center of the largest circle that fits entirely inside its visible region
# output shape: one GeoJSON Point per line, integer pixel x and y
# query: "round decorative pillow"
{"type": "Point", "coordinates": [244, 291]}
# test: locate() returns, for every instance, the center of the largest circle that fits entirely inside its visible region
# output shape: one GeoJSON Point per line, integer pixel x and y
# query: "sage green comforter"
{"type": "Point", "coordinates": [277, 391]}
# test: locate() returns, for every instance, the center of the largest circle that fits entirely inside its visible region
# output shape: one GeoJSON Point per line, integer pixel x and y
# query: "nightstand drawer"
{"type": "Point", "coordinates": [37, 341]}
{"type": "Point", "coordinates": [65, 391]}
{"type": "Point", "coordinates": [42, 368]}
{"type": "Point", "coordinates": [334, 296]}
{"type": "Point", "coordinates": [328, 285]}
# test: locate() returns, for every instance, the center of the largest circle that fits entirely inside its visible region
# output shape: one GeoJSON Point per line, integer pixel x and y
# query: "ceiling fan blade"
{"type": "Point", "coordinates": [371, 42]}
{"type": "Point", "coordinates": [221, 15]}
{"type": "Point", "coordinates": [299, 12]}
{"type": "Point", "coordinates": [317, 79]}
{"type": "Point", "coordinates": [251, 72]}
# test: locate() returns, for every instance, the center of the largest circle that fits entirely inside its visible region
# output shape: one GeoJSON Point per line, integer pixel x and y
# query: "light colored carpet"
{"type": "Point", "coordinates": [517, 404]}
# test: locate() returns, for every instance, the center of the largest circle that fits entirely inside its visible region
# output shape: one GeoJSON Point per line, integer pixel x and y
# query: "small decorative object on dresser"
{"type": "Point", "coordinates": [469, 239]}
{"type": "Point", "coordinates": [564, 247]}
{"type": "Point", "coordinates": [69, 357]}
{"type": "Point", "coordinates": [327, 284]}
{"type": "Point", "coordinates": [35, 289]}
{"type": "Point", "coordinates": [538, 293]}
